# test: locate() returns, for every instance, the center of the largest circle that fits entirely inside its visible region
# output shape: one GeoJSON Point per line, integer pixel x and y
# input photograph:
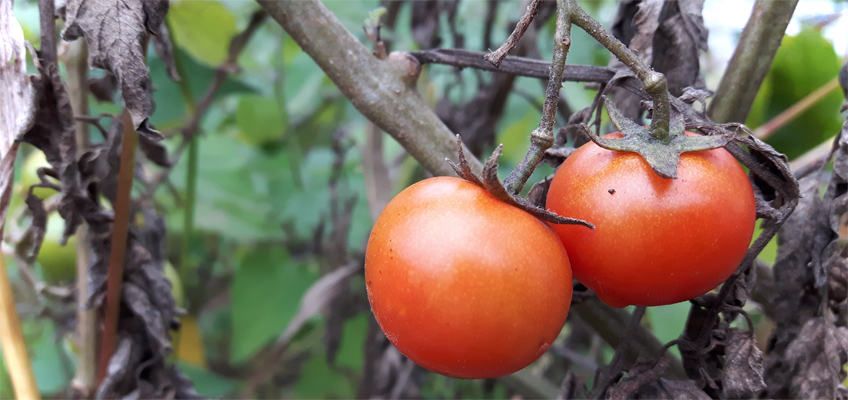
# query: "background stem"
{"type": "Point", "coordinates": [85, 379]}
{"type": "Point", "coordinates": [191, 171]}
{"type": "Point", "coordinates": [120, 231]}
{"type": "Point", "coordinates": [751, 60]}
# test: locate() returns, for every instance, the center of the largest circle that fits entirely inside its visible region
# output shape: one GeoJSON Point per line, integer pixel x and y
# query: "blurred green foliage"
{"type": "Point", "coordinates": [803, 63]}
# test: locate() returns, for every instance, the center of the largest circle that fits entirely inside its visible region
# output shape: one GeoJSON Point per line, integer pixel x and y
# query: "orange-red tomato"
{"type": "Point", "coordinates": [464, 284]}
{"type": "Point", "coordinates": [657, 241]}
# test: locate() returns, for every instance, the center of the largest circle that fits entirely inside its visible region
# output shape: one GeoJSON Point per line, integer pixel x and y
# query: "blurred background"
{"type": "Point", "coordinates": [283, 194]}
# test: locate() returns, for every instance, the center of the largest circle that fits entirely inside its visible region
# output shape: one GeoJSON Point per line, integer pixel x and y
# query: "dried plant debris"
{"type": "Point", "coordinates": [572, 387]}
{"type": "Point", "coordinates": [165, 51]}
{"type": "Point", "coordinates": [816, 357]}
{"type": "Point", "coordinates": [54, 133]}
{"type": "Point", "coordinates": [103, 88]}
{"type": "Point", "coordinates": [116, 33]}
{"type": "Point", "coordinates": [138, 368]}
{"type": "Point", "coordinates": [807, 348]}
{"type": "Point", "coordinates": [125, 369]}
{"type": "Point", "coordinates": [668, 36]}
{"type": "Point", "coordinates": [490, 182]}
{"type": "Point", "coordinates": [644, 381]}
{"type": "Point", "coordinates": [742, 374]}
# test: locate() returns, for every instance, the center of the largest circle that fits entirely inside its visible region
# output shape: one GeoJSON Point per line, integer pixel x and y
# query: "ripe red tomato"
{"type": "Point", "coordinates": [657, 241]}
{"type": "Point", "coordinates": [464, 284]}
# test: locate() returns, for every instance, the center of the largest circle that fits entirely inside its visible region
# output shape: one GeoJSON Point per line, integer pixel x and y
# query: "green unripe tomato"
{"type": "Point", "coordinates": [176, 284]}
{"type": "Point", "coordinates": [58, 263]}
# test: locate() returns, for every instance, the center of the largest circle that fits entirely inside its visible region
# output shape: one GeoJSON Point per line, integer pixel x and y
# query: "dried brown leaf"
{"type": "Point", "coordinates": [817, 354]}
{"type": "Point", "coordinates": [742, 375]}
{"type": "Point", "coordinates": [116, 33]}
{"type": "Point", "coordinates": [640, 374]}
{"type": "Point", "coordinates": [165, 51]}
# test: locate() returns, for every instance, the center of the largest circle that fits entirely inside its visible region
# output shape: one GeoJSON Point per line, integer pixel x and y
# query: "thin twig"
{"type": "Point", "coordinates": [520, 66]}
{"type": "Point", "coordinates": [120, 231]}
{"type": "Point", "coordinates": [542, 138]}
{"type": "Point", "coordinates": [608, 375]}
{"type": "Point", "coordinates": [654, 82]}
{"type": "Point", "coordinates": [498, 55]}
{"type": "Point", "coordinates": [751, 60]}
{"type": "Point", "coordinates": [225, 69]}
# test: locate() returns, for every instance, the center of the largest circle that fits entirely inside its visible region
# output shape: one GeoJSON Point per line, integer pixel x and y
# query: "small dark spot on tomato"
{"type": "Point", "coordinates": [611, 191]}
{"type": "Point", "coordinates": [369, 282]}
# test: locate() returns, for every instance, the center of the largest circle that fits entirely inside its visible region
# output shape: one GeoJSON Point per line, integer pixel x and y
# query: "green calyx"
{"type": "Point", "coordinates": [659, 144]}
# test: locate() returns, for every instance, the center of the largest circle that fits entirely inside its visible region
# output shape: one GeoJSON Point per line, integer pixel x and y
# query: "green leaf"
{"type": "Point", "coordinates": [47, 363]}
{"type": "Point", "coordinates": [260, 119]}
{"type": "Point", "coordinates": [352, 348]}
{"type": "Point", "coordinates": [318, 381]}
{"type": "Point", "coordinates": [667, 322]}
{"type": "Point", "coordinates": [170, 106]}
{"type": "Point", "coordinates": [803, 63]}
{"type": "Point", "coordinates": [207, 383]}
{"type": "Point", "coordinates": [769, 253]}
{"type": "Point", "coordinates": [203, 29]}
{"type": "Point", "coordinates": [266, 293]}
{"type": "Point", "coordinates": [6, 390]}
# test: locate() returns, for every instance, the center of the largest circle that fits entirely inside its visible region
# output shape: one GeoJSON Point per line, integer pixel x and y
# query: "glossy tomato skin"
{"type": "Point", "coordinates": [464, 284]}
{"type": "Point", "coordinates": [657, 241]}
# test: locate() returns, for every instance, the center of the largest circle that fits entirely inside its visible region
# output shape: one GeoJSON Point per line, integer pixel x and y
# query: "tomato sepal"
{"type": "Point", "coordinates": [663, 155]}
{"type": "Point", "coordinates": [490, 182]}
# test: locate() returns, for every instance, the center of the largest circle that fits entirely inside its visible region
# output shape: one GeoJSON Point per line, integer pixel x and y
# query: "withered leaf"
{"type": "Point", "coordinates": [142, 305]}
{"type": "Point", "coordinates": [116, 33]}
{"type": "Point", "coordinates": [816, 353]}
{"type": "Point", "coordinates": [668, 389]}
{"type": "Point", "coordinates": [742, 375]}
{"type": "Point", "coordinates": [165, 50]}
{"type": "Point", "coordinates": [104, 87]}
{"type": "Point", "coordinates": [154, 151]}
{"type": "Point", "coordinates": [640, 374]}
{"type": "Point", "coordinates": [119, 371]}
{"type": "Point", "coordinates": [54, 133]}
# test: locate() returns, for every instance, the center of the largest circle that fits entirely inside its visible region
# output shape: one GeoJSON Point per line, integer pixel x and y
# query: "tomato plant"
{"type": "Point", "coordinates": [657, 241]}
{"type": "Point", "coordinates": [464, 284]}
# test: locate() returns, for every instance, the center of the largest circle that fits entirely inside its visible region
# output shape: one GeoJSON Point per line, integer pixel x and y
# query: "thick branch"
{"type": "Point", "coordinates": [382, 90]}
{"type": "Point", "coordinates": [751, 60]}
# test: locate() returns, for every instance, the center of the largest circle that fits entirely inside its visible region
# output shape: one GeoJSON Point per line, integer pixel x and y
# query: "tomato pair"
{"type": "Point", "coordinates": [470, 287]}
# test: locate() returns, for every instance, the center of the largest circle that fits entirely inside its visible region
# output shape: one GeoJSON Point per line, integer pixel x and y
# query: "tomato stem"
{"type": "Point", "coordinates": [542, 138]}
{"type": "Point", "coordinates": [654, 82]}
